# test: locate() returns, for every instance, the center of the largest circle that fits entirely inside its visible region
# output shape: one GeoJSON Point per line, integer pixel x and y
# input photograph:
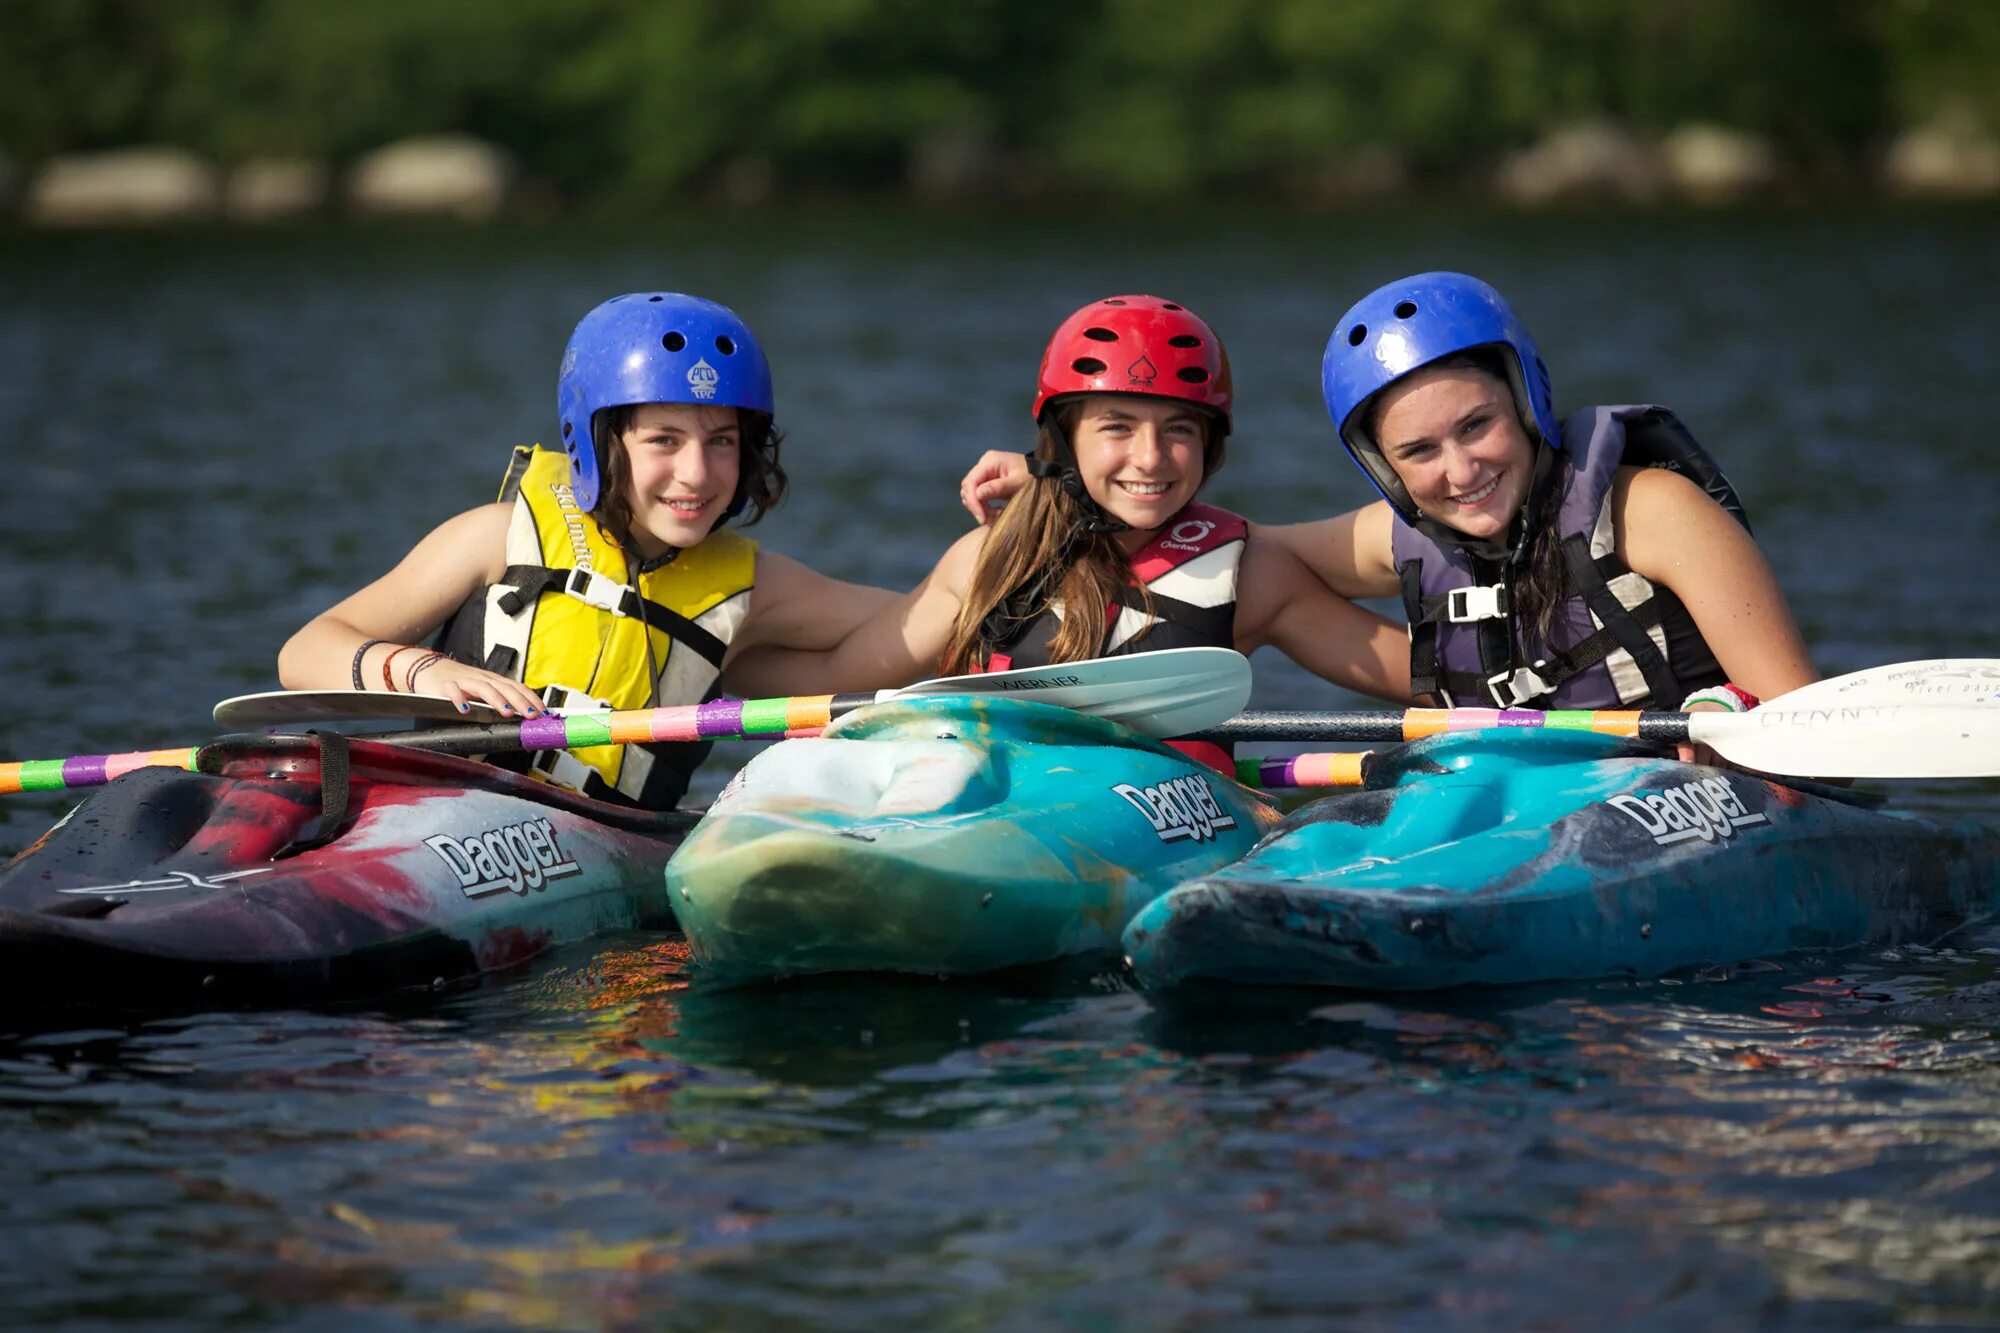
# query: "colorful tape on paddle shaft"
{"type": "Point", "coordinates": [1338, 769]}
{"type": "Point", "coordinates": [715, 720]}
{"type": "Point", "coordinates": [88, 770]}
{"type": "Point", "coordinates": [1421, 722]}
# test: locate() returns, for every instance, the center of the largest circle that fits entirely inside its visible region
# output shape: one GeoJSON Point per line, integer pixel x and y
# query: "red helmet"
{"type": "Point", "coordinates": [1136, 344]}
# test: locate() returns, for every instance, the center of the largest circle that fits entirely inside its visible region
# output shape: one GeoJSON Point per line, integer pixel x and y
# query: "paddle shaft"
{"type": "Point", "coordinates": [1893, 740]}
{"type": "Point", "coordinates": [1417, 723]}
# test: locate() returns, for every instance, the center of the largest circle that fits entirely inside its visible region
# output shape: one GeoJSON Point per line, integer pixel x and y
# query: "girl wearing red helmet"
{"type": "Point", "coordinates": [1592, 561]}
{"type": "Point", "coordinates": [1109, 551]}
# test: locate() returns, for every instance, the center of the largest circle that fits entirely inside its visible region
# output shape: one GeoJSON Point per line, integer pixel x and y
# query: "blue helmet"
{"type": "Point", "coordinates": [1406, 325]}
{"type": "Point", "coordinates": [653, 347]}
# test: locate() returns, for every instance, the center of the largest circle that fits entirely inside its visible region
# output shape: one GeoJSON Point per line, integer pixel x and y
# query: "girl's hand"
{"type": "Point", "coordinates": [993, 480]}
{"type": "Point", "coordinates": [464, 684]}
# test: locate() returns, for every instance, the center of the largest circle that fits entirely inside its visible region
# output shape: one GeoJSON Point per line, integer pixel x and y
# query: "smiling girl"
{"type": "Point", "coordinates": [604, 575]}
{"type": "Point", "coordinates": [1109, 552]}
{"type": "Point", "coordinates": [1595, 561]}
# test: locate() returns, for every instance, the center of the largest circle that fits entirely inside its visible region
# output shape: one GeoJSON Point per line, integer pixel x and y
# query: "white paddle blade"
{"type": "Point", "coordinates": [1945, 680]}
{"type": "Point", "coordinates": [281, 707]}
{"type": "Point", "coordinates": [1918, 740]}
{"type": "Point", "coordinates": [1168, 693]}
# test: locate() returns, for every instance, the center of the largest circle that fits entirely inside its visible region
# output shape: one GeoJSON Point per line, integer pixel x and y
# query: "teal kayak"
{"type": "Point", "coordinates": [945, 836]}
{"type": "Point", "coordinates": [1503, 857]}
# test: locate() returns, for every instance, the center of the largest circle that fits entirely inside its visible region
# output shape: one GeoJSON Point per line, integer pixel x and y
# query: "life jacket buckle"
{"type": "Point", "coordinates": [564, 699]}
{"type": "Point", "coordinates": [595, 589]}
{"type": "Point", "coordinates": [562, 768]}
{"type": "Point", "coordinates": [1484, 602]}
{"type": "Point", "coordinates": [1511, 687]}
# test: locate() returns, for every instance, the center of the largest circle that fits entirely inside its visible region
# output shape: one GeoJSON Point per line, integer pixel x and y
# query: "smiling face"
{"type": "Point", "coordinates": [1454, 439]}
{"type": "Point", "coordinates": [1141, 459]}
{"type": "Point", "coordinates": [683, 462]}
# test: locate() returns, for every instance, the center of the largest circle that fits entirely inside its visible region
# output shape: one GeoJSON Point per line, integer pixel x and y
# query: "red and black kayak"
{"type": "Point", "coordinates": [292, 868]}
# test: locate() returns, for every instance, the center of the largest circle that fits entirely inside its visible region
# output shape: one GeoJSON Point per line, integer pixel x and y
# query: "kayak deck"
{"type": "Point", "coordinates": [1475, 859]}
{"type": "Point", "coordinates": [946, 836]}
{"type": "Point", "coordinates": [167, 889]}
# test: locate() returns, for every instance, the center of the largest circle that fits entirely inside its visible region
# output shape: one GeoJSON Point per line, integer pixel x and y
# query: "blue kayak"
{"type": "Point", "coordinates": [949, 835]}
{"type": "Point", "coordinates": [1494, 858]}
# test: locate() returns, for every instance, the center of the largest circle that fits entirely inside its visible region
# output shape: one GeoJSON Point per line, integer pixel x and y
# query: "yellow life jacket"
{"type": "Point", "coordinates": [568, 620]}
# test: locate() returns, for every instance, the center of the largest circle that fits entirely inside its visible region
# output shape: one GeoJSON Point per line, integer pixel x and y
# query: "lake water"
{"type": "Point", "coordinates": [213, 436]}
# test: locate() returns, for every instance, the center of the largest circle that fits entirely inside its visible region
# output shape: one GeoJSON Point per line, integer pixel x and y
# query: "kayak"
{"type": "Point", "coordinates": [1495, 858]}
{"type": "Point", "coordinates": [946, 836]}
{"type": "Point", "coordinates": [169, 889]}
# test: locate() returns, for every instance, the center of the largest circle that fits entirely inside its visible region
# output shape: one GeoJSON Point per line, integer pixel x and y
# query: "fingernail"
{"type": "Point", "coordinates": [506, 711]}
{"type": "Point", "coordinates": [465, 708]}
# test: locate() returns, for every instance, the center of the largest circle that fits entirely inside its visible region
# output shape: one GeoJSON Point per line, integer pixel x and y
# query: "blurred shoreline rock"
{"type": "Point", "coordinates": [433, 175]}
{"type": "Point", "coordinates": [140, 186]}
{"type": "Point", "coordinates": [1711, 164]}
{"type": "Point", "coordinates": [1592, 159]}
{"type": "Point", "coordinates": [276, 189]}
{"type": "Point", "coordinates": [1952, 156]}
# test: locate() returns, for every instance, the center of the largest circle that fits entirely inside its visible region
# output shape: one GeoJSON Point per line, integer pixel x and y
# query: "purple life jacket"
{"type": "Point", "coordinates": [1617, 641]}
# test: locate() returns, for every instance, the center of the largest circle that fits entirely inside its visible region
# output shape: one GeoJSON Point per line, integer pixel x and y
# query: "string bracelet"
{"type": "Point", "coordinates": [416, 669]}
{"type": "Point", "coordinates": [389, 681]}
{"type": "Point", "coordinates": [1731, 697]}
{"type": "Point", "coordinates": [359, 653]}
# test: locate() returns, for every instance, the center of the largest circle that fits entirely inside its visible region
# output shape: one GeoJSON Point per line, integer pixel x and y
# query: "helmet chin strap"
{"type": "Point", "coordinates": [1063, 471]}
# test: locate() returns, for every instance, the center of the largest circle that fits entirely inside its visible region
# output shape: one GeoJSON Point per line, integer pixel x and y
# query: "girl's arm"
{"type": "Point", "coordinates": [404, 606]}
{"type": "Point", "coordinates": [1349, 552]}
{"type": "Point", "coordinates": [1673, 534]}
{"type": "Point", "coordinates": [1281, 602]}
{"type": "Point", "coordinates": [887, 641]}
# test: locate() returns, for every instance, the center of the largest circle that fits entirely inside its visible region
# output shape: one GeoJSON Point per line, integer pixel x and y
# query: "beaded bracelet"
{"type": "Point", "coordinates": [389, 681]}
{"type": "Point", "coordinates": [1731, 697]}
{"type": "Point", "coordinates": [359, 653]}
{"type": "Point", "coordinates": [410, 676]}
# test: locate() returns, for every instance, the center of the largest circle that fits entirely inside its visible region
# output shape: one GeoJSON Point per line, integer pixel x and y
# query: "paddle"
{"type": "Point", "coordinates": [1941, 680]}
{"type": "Point", "coordinates": [277, 707]}
{"type": "Point", "coordinates": [1845, 741]}
{"type": "Point", "coordinates": [1166, 693]}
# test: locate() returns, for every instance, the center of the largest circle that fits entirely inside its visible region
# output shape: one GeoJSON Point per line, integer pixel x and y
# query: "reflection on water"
{"type": "Point", "coordinates": [593, 1142]}
{"type": "Point", "coordinates": [221, 437]}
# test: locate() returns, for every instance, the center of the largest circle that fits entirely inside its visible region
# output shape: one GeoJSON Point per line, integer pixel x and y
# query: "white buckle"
{"type": "Point", "coordinates": [563, 699]}
{"type": "Point", "coordinates": [1480, 603]}
{"type": "Point", "coordinates": [563, 769]}
{"type": "Point", "coordinates": [595, 589]}
{"type": "Point", "coordinates": [1510, 687]}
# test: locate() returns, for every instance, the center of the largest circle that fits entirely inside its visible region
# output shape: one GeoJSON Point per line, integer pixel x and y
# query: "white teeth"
{"type": "Point", "coordinates": [1146, 487]}
{"type": "Point", "coordinates": [1474, 497]}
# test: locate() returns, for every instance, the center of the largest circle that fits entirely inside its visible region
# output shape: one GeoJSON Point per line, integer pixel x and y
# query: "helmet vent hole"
{"type": "Point", "coordinates": [1357, 335]}
{"type": "Point", "coordinates": [725, 344]}
{"type": "Point", "coordinates": [1183, 340]}
{"type": "Point", "coordinates": [674, 342]}
{"type": "Point", "coordinates": [1099, 334]}
{"type": "Point", "coordinates": [1113, 301]}
{"type": "Point", "coordinates": [1404, 309]}
{"type": "Point", "coordinates": [568, 430]}
{"type": "Point", "coordinates": [1192, 374]}
{"type": "Point", "coordinates": [1169, 305]}
{"type": "Point", "coordinates": [1087, 365]}
{"type": "Point", "coordinates": [656, 298]}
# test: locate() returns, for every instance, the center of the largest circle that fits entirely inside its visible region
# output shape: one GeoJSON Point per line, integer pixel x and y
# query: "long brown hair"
{"type": "Point", "coordinates": [1042, 549]}
{"type": "Point", "coordinates": [760, 481]}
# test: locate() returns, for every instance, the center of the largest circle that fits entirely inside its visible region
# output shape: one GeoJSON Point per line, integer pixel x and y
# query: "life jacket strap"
{"type": "Point", "coordinates": [525, 582]}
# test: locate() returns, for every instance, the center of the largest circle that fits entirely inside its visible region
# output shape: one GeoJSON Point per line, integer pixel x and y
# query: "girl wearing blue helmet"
{"type": "Point", "coordinates": [604, 575]}
{"type": "Point", "coordinates": [1593, 561]}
